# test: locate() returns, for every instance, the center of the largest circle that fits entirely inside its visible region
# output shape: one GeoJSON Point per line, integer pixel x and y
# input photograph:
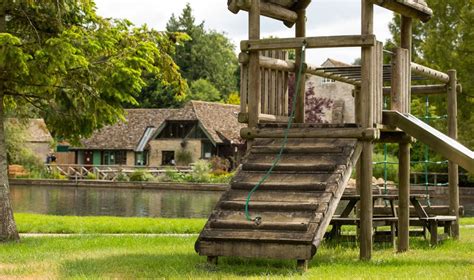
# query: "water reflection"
{"type": "Point", "coordinates": [113, 202]}
{"type": "Point", "coordinates": [136, 203]}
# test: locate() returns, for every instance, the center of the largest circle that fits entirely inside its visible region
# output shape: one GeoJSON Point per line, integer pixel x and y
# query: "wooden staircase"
{"type": "Point", "coordinates": [296, 202]}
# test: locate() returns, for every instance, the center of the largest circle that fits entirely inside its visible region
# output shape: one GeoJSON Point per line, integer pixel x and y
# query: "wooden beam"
{"type": "Point", "coordinates": [300, 32]}
{"type": "Point", "coordinates": [254, 106]}
{"type": "Point", "coordinates": [314, 70]}
{"type": "Point", "coordinates": [277, 64]}
{"type": "Point", "coordinates": [311, 42]}
{"type": "Point", "coordinates": [406, 8]}
{"type": "Point", "coordinates": [429, 73]}
{"type": "Point", "coordinates": [422, 90]}
{"type": "Point", "coordinates": [359, 133]}
{"type": "Point", "coordinates": [367, 121]}
{"type": "Point", "coordinates": [453, 168]}
{"type": "Point", "coordinates": [267, 9]}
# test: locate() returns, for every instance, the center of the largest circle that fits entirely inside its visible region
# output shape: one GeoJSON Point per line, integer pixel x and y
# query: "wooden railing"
{"type": "Point", "coordinates": [107, 172]}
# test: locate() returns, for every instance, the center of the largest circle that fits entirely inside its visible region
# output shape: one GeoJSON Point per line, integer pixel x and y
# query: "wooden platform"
{"type": "Point", "coordinates": [295, 204]}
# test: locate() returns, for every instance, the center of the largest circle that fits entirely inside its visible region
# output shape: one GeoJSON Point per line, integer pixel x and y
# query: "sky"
{"type": "Point", "coordinates": [324, 18]}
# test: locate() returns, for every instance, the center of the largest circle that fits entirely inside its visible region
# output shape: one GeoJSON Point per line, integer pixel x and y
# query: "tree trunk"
{"type": "Point", "coordinates": [8, 231]}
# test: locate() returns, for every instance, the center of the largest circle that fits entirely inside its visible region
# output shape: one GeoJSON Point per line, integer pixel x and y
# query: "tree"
{"type": "Point", "coordinates": [208, 55]}
{"type": "Point", "coordinates": [447, 42]}
{"type": "Point", "coordinates": [204, 90]}
{"type": "Point", "coordinates": [75, 68]}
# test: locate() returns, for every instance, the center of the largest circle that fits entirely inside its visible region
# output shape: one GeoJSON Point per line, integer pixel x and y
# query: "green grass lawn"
{"type": "Point", "coordinates": [36, 223]}
{"type": "Point", "coordinates": [129, 257]}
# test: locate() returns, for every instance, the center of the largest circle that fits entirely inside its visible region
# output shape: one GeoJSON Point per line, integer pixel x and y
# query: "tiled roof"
{"type": "Point", "coordinates": [334, 63]}
{"type": "Point", "coordinates": [219, 120]}
{"type": "Point", "coordinates": [126, 135]}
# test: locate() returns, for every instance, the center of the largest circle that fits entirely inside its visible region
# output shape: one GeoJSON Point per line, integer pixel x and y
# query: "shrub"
{"type": "Point", "coordinates": [141, 176]}
{"type": "Point", "coordinates": [122, 177]}
{"type": "Point", "coordinates": [201, 172]}
{"type": "Point", "coordinates": [223, 178]}
{"type": "Point", "coordinates": [184, 157]}
{"type": "Point", "coordinates": [91, 176]}
{"type": "Point", "coordinates": [392, 169]}
{"type": "Point", "coordinates": [219, 165]}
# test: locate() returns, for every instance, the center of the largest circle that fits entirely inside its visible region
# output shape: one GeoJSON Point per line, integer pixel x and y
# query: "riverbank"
{"type": "Point", "coordinates": [132, 257]}
{"type": "Point", "coordinates": [118, 185]}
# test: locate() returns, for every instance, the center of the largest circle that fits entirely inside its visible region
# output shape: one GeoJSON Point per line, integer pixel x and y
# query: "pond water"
{"type": "Point", "coordinates": [113, 202]}
{"type": "Point", "coordinates": [133, 202]}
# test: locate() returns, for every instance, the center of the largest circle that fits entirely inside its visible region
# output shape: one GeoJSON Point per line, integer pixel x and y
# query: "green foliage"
{"type": "Point", "coordinates": [234, 98]}
{"type": "Point", "coordinates": [184, 157]}
{"type": "Point", "coordinates": [201, 171]}
{"type": "Point", "coordinates": [122, 177]}
{"type": "Point", "coordinates": [91, 176]}
{"type": "Point", "coordinates": [379, 168]}
{"type": "Point", "coordinates": [209, 55]}
{"type": "Point", "coordinates": [203, 90]}
{"type": "Point", "coordinates": [78, 69]}
{"type": "Point", "coordinates": [140, 175]}
{"type": "Point", "coordinates": [219, 165]}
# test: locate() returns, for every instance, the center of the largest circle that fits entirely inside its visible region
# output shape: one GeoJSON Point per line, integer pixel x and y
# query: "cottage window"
{"type": "Point", "coordinates": [114, 158]}
{"type": "Point", "coordinates": [177, 130]}
{"type": "Point", "coordinates": [207, 150]}
{"type": "Point", "coordinates": [141, 158]}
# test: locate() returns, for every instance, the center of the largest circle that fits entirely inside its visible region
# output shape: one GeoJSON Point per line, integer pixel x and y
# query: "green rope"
{"type": "Point", "coordinates": [285, 139]}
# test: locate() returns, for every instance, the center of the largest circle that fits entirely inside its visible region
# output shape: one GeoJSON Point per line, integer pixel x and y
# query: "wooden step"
{"type": "Point", "coordinates": [316, 186]}
{"type": "Point", "coordinates": [293, 237]}
{"type": "Point", "coordinates": [256, 250]}
{"type": "Point", "coordinates": [276, 206]}
{"type": "Point", "coordinates": [276, 195]}
{"type": "Point", "coordinates": [273, 226]}
{"type": "Point", "coordinates": [296, 150]}
{"type": "Point", "coordinates": [314, 143]}
{"type": "Point", "coordinates": [267, 216]}
{"type": "Point", "coordinates": [286, 165]}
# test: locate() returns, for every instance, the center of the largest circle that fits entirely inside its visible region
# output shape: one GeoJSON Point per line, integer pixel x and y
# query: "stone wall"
{"type": "Point", "coordinates": [158, 146]}
{"type": "Point", "coordinates": [341, 95]}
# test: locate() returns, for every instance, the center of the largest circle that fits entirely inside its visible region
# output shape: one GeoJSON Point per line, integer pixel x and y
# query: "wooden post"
{"type": "Point", "coordinates": [366, 95]}
{"type": "Point", "coordinates": [404, 198]}
{"type": "Point", "coordinates": [254, 88]}
{"type": "Point", "coordinates": [404, 151]}
{"type": "Point", "coordinates": [300, 31]}
{"type": "Point", "coordinates": [453, 169]}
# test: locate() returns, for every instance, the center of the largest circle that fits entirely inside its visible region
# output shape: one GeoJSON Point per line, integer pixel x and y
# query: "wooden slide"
{"type": "Point", "coordinates": [438, 141]}
{"type": "Point", "coordinates": [296, 203]}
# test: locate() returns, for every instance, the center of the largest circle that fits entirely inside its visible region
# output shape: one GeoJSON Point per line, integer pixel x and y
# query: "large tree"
{"type": "Point", "coordinates": [75, 69]}
{"type": "Point", "coordinates": [447, 42]}
{"type": "Point", "coordinates": [209, 55]}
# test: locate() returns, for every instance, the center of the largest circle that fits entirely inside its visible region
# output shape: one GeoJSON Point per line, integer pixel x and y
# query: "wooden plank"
{"type": "Point", "coordinates": [267, 9]}
{"type": "Point", "coordinates": [257, 236]}
{"type": "Point", "coordinates": [272, 91]}
{"type": "Point", "coordinates": [254, 105]}
{"type": "Point", "coordinates": [358, 133]}
{"type": "Point", "coordinates": [257, 250]}
{"type": "Point", "coordinates": [293, 196]}
{"type": "Point", "coordinates": [453, 168]}
{"type": "Point", "coordinates": [315, 70]}
{"type": "Point", "coordinates": [342, 41]}
{"type": "Point", "coordinates": [243, 225]}
{"type": "Point", "coordinates": [277, 64]}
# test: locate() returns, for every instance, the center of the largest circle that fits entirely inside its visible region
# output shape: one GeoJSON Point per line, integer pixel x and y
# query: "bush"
{"type": "Point", "coordinates": [219, 165]}
{"type": "Point", "coordinates": [184, 157]}
{"type": "Point", "coordinates": [392, 169]}
{"type": "Point", "coordinates": [141, 176]}
{"type": "Point", "coordinates": [122, 177]}
{"type": "Point", "coordinates": [91, 176]}
{"type": "Point", "coordinates": [223, 178]}
{"type": "Point", "coordinates": [201, 172]}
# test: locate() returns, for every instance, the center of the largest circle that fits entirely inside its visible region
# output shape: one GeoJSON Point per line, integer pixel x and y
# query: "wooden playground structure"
{"type": "Point", "coordinates": [297, 201]}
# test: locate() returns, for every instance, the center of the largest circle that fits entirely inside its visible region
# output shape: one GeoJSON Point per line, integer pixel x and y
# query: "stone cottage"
{"type": "Point", "coordinates": [156, 137]}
